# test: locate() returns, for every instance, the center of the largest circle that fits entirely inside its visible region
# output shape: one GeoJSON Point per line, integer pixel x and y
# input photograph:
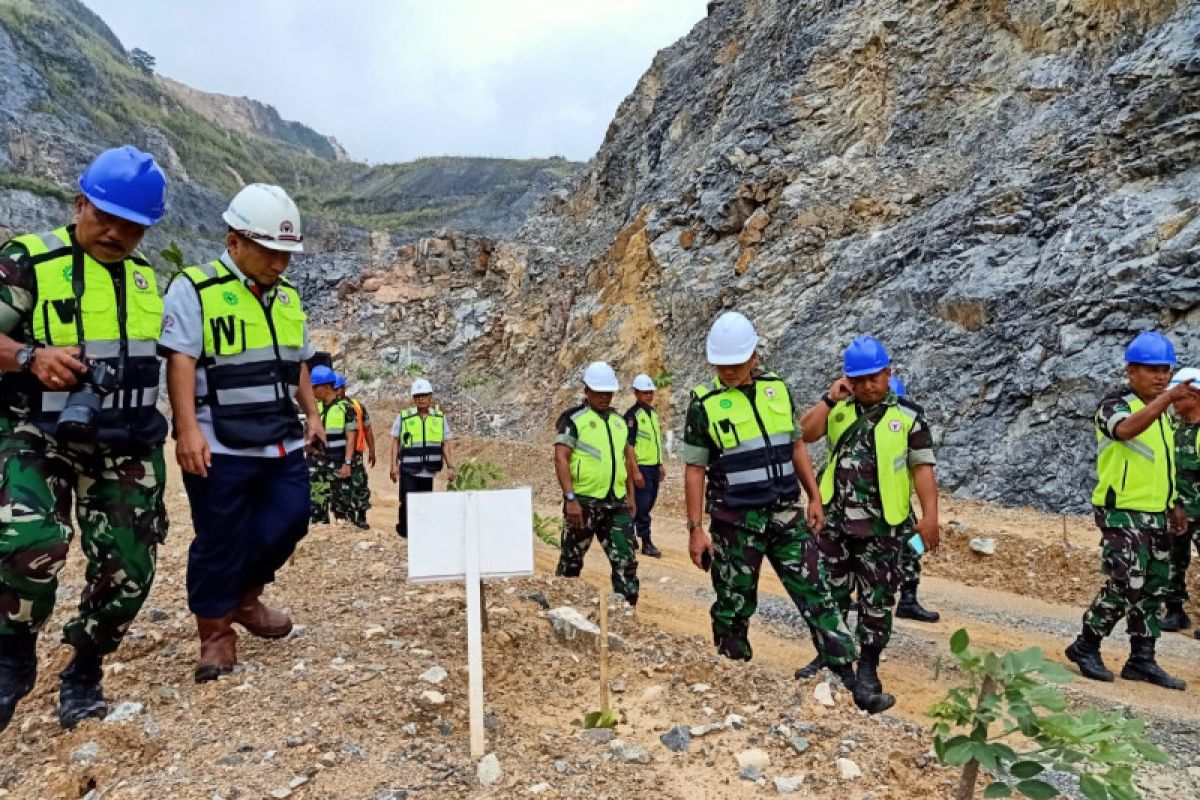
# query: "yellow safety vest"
{"type": "Point", "coordinates": [598, 458]}
{"type": "Point", "coordinates": [333, 418]}
{"type": "Point", "coordinates": [251, 356]}
{"type": "Point", "coordinates": [121, 321]}
{"type": "Point", "coordinates": [647, 445]}
{"type": "Point", "coordinates": [891, 456]}
{"type": "Point", "coordinates": [1137, 474]}
{"type": "Point", "coordinates": [754, 468]}
{"type": "Point", "coordinates": [421, 441]}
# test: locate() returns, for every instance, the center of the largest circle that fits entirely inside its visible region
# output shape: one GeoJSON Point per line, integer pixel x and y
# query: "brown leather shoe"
{"type": "Point", "coordinates": [259, 619]}
{"type": "Point", "coordinates": [218, 647]}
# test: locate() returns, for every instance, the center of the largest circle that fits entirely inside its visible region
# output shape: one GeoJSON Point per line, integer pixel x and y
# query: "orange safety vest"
{"type": "Point", "coordinates": [360, 442]}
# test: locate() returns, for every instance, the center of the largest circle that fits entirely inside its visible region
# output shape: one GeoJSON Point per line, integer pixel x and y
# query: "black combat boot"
{"type": "Point", "coordinates": [810, 669]}
{"type": "Point", "coordinates": [864, 698]}
{"type": "Point", "coordinates": [1175, 618]}
{"type": "Point", "coordinates": [80, 695]}
{"type": "Point", "coordinates": [649, 549]}
{"type": "Point", "coordinates": [909, 608]}
{"type": "Point", "coordinates": [1141, 665]}
{"type": "Point", "coordinates": [1085, 652]}
{"type": "Point", "coordinates": [868, 666]}
{"type": "Point", "coordinates": [18, 672]}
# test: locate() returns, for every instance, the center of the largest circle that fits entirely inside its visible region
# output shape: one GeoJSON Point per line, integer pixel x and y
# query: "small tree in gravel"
{"type": "Point", "coordinates": [1010, 696]}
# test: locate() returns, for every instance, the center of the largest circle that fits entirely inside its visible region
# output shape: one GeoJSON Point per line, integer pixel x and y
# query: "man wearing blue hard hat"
{"type": "Point", "coordinates": [1135, 491]}
{"type": "Point", "coordinates": [238, 346]}
{"type": "Point", "coordinates": [80, 314]}
{"type": "Point", "coordinates": [880, 450]}
{"type": "Point", "coordinates": [330, 470]}
{"type": "Point", "coordinates": [354, 503]}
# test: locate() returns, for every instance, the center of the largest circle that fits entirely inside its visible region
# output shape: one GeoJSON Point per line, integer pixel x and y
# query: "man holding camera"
{"type": "Point", "coordinates": [80, 315]}
{"type": "Point", "coordinates": [238, 344]}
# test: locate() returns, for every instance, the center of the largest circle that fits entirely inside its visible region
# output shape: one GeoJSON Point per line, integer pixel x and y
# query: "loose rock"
{"type": "Point", "coordinates": [677, 739]}
{"type": "Point", "coordinates": [488, 770]}
{"type": "Point", "coordinates": [848, 769]}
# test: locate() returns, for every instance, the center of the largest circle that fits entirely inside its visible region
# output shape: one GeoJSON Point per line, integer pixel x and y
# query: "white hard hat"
{"type": "Point", "coordinates": [731, 340]}
{"type": "Point", "coordinates": [1186, 374]}
{"type": "Point", "coordinates": [643, 383]}
{"type": "Point", "coordinates": [267, 216]}
{"type": "Point", "coordinates": [421, 386]}
{"type": "Point", "coordinates": [599, 377]}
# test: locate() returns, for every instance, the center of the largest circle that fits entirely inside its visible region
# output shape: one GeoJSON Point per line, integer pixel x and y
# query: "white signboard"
{"type": "Point", "coordinates": [440, 523]}
{"type": "Point", "coordinates": [466, 536]}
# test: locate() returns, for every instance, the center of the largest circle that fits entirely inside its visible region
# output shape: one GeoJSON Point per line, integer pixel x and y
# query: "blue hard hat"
{"type": "Point", "coordinates": [1149, 347]}
{"type": "Point", "coordinates": [339, 380]}
{"type": "Point", "coordinates": [322, 375]}
{"type": "Point", "coordinates": [866, 355]}
{"type": "Point", "coordinates": [897, 386]}
{"type": "Point", "coordinates": [126, 183]}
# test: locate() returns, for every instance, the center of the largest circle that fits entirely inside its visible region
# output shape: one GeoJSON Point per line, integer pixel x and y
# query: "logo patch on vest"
{"type": "Point", "coordinates": [230, 298]}
{"type": "Point", "coordinates": [592, 424]}
{"type": "Point", "coordinates": [139, 280]}
{"type": "Point", "coordinates": [726, 404]}
{"type": "Point", "coordinates": [67, 272]}
{"type": "Point", "coordinates": [838, 417]}
{"type": "Point", "coordinates": [769, 391]}
{"type": "Point", "coordinates": [284, 298]}
{"type": "Point", "coordinates": [894, 426]}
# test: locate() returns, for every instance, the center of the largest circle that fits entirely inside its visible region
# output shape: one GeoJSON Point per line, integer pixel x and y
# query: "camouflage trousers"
{"type": "Point", "coordinates": [783, 539]}
{"type": "Point", "coordinates": [612, 526]}
{"type": "Point", "coordinates": [351, 497]}
{"type": "Point", "coordinates": [1136, 562]}
{"type": "Point", "coordinates": [1181, 559]}
{"type": "Point", "coordinates": [323, 484]}
{"type": "Point", "coordinates": [910, 564]}
{"type": "Point", "coordinates": [118, 505]}
{"type": "Point", "coordinates": [866, 568]}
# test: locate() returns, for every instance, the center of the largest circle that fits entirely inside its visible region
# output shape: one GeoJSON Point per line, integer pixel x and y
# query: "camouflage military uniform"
{"type": "Point", "coordinates": [119, 508]}
{"type": "Point", "coordinates": [607, 519]}
{"type": "Point", "coordinates": [329, 490]}
{"type": "Point", "coordinates": [354, 498]}
{"type": "Point", "coordinates": [742, 538]}
{"type": "Point", "coordinates": [1135, 555]}
{"type": "Point", "coordinates": [1187, 479]}
{"type": "Point", "coordinates": [862, 553]}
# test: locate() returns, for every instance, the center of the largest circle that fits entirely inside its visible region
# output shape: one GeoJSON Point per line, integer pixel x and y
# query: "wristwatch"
{"type": "Point", "coordinates": [827, 400]}
{"type": "Point", "coordinates": [348, 462]}
{"type": "Point", "coordinates": [568, 496]}
{"type": "Point", "coordinates": [25, 357]}
{"type": "Point", "coordinates": [693, 524]}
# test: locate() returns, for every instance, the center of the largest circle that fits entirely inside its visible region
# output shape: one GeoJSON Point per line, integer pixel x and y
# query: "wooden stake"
{"type": "Point", "coordinates": [474, 627]}
{"type": "Point", "coordinates": [603, 651]}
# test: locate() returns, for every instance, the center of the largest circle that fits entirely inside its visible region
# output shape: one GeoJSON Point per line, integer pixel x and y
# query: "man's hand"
{"type": "Point", "coordinates": [314, 432]}
{"type": "Point", "coordinates": [840, 389]}
{"type": "Point", "coordinates": [927, 527]}
{"type": "Point", "coordinates": [1182, 390]}
{"type": "Point", "coordinates": [662, 472]}
{"type": "Point", "coordinates": [394, 474]}
{"type": "Point", "coordinates": [1179, 520]}
{"type": "Point", "coordinates": [57, 368]}
{"type": "Point", "coordinates": [574, 514]}
{"type": "Point", "coordinates": [638, 479]}
{"type": "Point", "coordinates": [344, 472]}
{"type": "Point", "coordinates": [632, 504]}
{"type": "Point", "coordinates": [816, 516]}
{"type": "Point", "coordinates": [699, 543]}
{"type": "Point", "coordinates": [192, 452]}
{"type": "Point", "coordinates": [371, 458]}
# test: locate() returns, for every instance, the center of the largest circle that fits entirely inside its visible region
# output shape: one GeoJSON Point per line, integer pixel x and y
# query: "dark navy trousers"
{"type": "Point", "coordinates": [249, 515]}
{"type": "Point", "coordinates": [646, 499]}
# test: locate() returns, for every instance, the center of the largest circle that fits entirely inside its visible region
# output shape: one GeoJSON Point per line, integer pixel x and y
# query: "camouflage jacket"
{"type": "Point", "coordinates": [1187, 467]}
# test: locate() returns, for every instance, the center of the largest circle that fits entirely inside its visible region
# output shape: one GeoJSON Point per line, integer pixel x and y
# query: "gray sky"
{"type": "Point", "coordinates": [408, 78]}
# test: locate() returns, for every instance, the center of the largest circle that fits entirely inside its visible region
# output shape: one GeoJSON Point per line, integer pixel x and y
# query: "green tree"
{"type": "Point", "coordinates": [1013, 696]}
{"type": "Point", "coordinates": [143, 60]}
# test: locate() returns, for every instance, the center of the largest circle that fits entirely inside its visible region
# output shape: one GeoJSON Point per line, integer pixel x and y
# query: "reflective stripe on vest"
{"type": "Point", "coordinates": [421, 441]}
{"type": "Point", "coordinates": [754, 467]}
{"type": "Point", "coordinates": [647, 445]}
{"type": "Point", "coordinates": [891, 457]}
{"type": "Point", "coordinates": [122, 330]}
{"type": "Point", "coordinates": [598, 458]}
{"type": "Point", "coordinates": [1137, 474]}
{"type": "Point", "coordinates": [251, 356]}
{"type": "Point", "coordinates": [333, 417]}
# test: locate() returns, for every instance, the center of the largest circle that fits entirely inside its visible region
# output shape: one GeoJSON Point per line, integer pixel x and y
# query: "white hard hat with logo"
{"type": "Point", "coordinates": [421, 386]}
{"type": "Point", "coordinates": [600, 377]}
{"type": "Point", "coordinates": [643, 383]}
{"type": "Point", "coordinates": [731, 340]}
{"type": "Point", "coordinates": [267, 216]}
{"type": "Point", "coordinates": [1186, 374]}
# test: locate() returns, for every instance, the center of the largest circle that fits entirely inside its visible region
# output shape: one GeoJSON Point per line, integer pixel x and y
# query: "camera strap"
{"type": "Point", "coordinates": [77, 289]}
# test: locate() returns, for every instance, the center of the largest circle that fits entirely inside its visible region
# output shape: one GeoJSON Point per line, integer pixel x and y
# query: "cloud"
{"type": "Point", "coordinates": [400, 80]}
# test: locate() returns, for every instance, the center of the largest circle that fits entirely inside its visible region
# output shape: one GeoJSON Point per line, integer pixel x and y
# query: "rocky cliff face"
{"type": "Point", "coordinates": [1004, 192]}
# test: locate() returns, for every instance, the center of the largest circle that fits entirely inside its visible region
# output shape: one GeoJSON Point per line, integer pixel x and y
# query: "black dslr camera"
{"type": "Point", "coordinates": [78, 419]}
